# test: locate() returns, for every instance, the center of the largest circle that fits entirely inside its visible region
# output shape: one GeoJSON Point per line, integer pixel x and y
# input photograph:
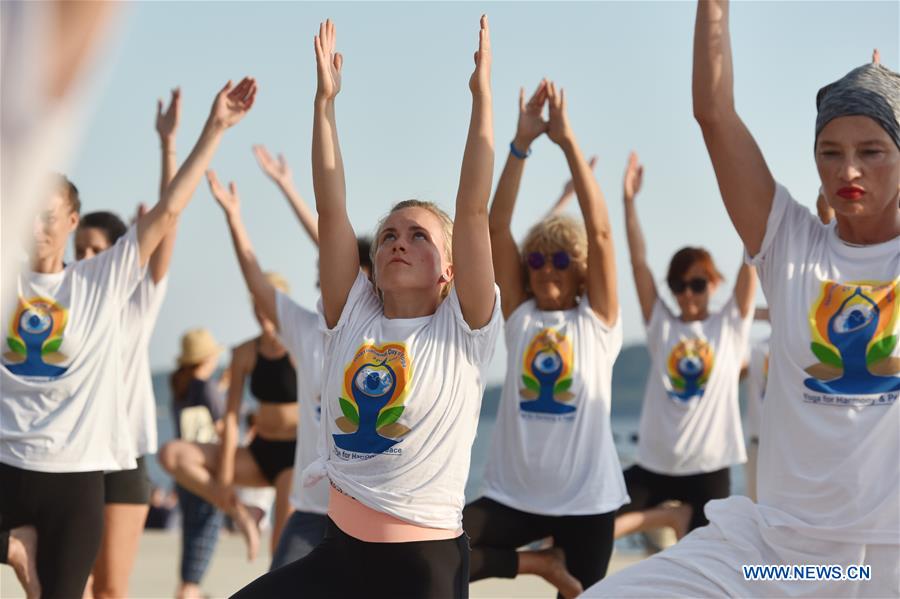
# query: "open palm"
{"type": "Point", "coordinates": [328, 62]}
{"type": "Point", "coordinates": [167, 121]}
{"type": "Point", "coordinates": [228, 199]}
{"type": "Point", "coordinates": [278, 170]}
{"type": "Point", "coordinates": [531, 122]}
{"type": "Point", "coordinates": [233, 103]}
{"type": "Point", "coordinates": [480, 82]}
{"type": "Point", "coordinates": [558, 129]}
{"type": "Point", "coordinates": [634, 177]}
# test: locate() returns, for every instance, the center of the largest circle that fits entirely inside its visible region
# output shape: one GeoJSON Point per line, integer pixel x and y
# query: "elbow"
{"type": "Point", "coordinates": [704, 115]}
{"type": "Point", "coordinates": [169, 217]}
{"type": "Point", "coordinates": [712, 115]}
{"type": "Point", "coordinates": [601, 236]}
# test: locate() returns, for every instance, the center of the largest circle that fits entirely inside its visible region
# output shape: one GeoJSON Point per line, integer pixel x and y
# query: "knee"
{"type": "Point", "coordinates": [168, 456]}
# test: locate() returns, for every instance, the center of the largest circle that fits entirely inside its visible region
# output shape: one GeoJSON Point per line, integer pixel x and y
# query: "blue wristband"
{"type": "Point", "coordinates": [517, 153]}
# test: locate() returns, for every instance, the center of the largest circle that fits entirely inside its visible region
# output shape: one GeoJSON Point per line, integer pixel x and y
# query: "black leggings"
{"type": "Point", "coordinates": [497, 530]}
{"type": "Point", "coordinates": [272, 457]}
{"type": "Point", "coordinates": [344, 566]}
{"type": "Point", "coordinates": [66, 509]}
{"type": "Point", "coordinates": [128, 486]}
{"type": "Point", "coordinates": [649, 489]}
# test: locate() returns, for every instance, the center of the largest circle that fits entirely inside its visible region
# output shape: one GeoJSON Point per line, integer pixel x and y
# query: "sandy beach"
{"type": "Point", "coordinates": [155, 573]}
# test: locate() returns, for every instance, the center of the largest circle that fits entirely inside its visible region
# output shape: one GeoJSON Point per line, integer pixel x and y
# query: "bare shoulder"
{"type": "Point", "coordinates": [243, 355]}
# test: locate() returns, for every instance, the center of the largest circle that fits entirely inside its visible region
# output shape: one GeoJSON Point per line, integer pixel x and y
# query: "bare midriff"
{"type": "Point", "coordinates": [276, 421]}
{"type": "Point", "coordinates": [364, 523]}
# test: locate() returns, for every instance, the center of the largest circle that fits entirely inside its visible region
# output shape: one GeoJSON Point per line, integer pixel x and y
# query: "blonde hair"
{"type": "Point", "coordinates": [553, 234]}
{"type": "Point", "coordinates": [446, 228]}
{"type": "Point", "coordinates": [277, 281]}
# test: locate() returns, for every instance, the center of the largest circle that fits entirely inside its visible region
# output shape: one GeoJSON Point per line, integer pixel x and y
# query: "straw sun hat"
{"type": "Point", "coordinates": [196, 346]}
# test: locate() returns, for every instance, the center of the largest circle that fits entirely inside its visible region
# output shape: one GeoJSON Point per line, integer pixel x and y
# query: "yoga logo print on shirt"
{"type": "Point", "coordinates": [547, 374]}
{"type": "Point", "coordinates": [689, 366]}
{"type": "Point", "coordinates": [35, 336]}
{"type": "Point", "coordinates": [854, 332]}
{"type": "Point", "coordinates": [376, 383]}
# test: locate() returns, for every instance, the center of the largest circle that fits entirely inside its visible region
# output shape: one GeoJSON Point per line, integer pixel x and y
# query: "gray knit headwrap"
{"type": "Point", "coordinates": [871, 90]}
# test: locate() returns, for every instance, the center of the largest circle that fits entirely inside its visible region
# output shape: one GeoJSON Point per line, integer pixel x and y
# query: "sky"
{"type": "Point", "coordinates": [403, 114]}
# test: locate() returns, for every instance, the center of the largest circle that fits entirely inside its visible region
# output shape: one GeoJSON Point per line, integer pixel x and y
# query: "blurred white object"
{"type": "Point", "coordinates": [46, 51]}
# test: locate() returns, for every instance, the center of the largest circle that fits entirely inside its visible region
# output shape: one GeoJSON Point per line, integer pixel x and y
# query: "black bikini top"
{"type": "Point", "coordinates": [273, 381]}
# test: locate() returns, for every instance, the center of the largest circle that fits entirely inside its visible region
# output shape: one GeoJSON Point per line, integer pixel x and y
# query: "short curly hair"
{"type": "Point", "coordinates": [553, 234]}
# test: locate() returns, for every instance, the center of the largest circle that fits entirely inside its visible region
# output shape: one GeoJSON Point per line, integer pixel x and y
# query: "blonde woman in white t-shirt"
{"type": "Point", "coordinates": [404, 370]}
{"type": "Point", "coordinates": [690, 431]}
{"type": "Point", "coordinates": [553, 469]}
{"type": "Point", "coordinates": [62, 415]}
{"type": "Point", "coordinates": [828, 481]}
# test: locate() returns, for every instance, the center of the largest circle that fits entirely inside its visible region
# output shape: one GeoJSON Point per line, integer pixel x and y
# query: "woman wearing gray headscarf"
{"type": "Point", "coordinates": [828, 481]}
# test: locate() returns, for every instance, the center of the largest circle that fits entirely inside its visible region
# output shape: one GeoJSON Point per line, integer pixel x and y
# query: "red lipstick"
{"type": "Point", "coordinates": [851, 193]}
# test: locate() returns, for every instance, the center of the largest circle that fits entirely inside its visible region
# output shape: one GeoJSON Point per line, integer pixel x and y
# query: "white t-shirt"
{"type": "Point", "coordinates": [138, 322]}
{"type": "Point", "coordinates": [300, 333]}
{"type": "Point", "coordinates": [61, 407]}
{"type": "Point", "coordinates": [691, 419]}
{"type": "Point", "coordinates": [553, 452]}
{"type": "Point", "coordinates": [401, 400]}
{"type": "Point", "coordinates": [828, 466]}
{"type": "Point", "coordinates": [757, 375]}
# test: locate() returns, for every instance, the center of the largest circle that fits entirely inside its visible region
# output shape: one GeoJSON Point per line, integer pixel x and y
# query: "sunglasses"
{"type": "Point", "coordinates": [697, 285]}
{"type": "Point", "coordinates": [560, 260]}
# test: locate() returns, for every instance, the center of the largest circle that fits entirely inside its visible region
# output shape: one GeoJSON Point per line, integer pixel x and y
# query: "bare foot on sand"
{"type": "Point", "coordinates": [247, 526]}
{"type": "Point", "coordinates": [22, 555]}
{"type": "Point", "coordinates": [189, 590]}
{"type": "Point", "coordinates": [551, 566]}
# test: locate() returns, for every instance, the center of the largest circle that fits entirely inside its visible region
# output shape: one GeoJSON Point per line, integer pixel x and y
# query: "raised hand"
{"type": "Point", "coordinates": [558, 130]}
{"type": "Point", "coordinates": [228, 199]}
{"type": "Point", "coordinates": [139, 212]}
{"type": "Point", "coordinates": [278, 170]}
{"type": "Point", "coordinates": [531, 123]}
{"type": "Point", "coordinates": [634, 176]}
{"type": "Point", "coordinates": [233, 102]}
{"type": "Point", "coordinates": [328, 62]}
{"type": "Point", "coordinates": [480, 82]}
{"type": "Point", "coordinates": [167, 121]}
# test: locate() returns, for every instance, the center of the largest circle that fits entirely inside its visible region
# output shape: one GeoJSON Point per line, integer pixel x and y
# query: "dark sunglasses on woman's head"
{"type": "Point", "coordinates": [696, 285]}
{"type": "Point", "coordinates": [560, 260]}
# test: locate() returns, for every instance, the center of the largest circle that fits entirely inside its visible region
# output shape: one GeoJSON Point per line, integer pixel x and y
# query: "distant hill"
{"type": "Point", "coordinates": [629, 376]}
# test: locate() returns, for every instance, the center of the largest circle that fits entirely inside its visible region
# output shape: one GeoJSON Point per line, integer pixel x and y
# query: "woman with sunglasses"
{"type": "Point", "coordinates": [690, 432]}
{"type": "Point", "coordinates": [553, 468]}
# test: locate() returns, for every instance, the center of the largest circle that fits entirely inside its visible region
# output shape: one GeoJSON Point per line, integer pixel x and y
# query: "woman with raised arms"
{"type": "Point", "coordinates": [553, 468]}
{"type": "Point", "coordinates": [63, 418]}
{"type": "Point", "coordinates": [404, 370]}
{"type": "Point", "coordinates": [690, 432]}
{"type": "Point", "coordinates": [828, 481]}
